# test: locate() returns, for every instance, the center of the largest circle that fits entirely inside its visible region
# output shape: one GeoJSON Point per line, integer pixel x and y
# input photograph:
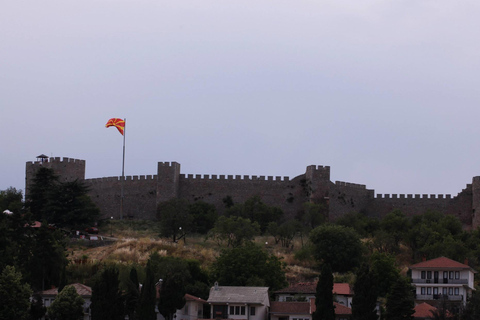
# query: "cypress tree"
{"type": "Point", "coordinates": [146, 304]}
{"type": "Point", "coordinates": [400, 301]}
{"type": "Point", "coordinates": [325, 310]}
{"type": "Point", "coordinates": [107, 301]}
{"type": "Point", "coordinates": [133, 294]}
{"type": "Point", "coordinates": [364, 301]}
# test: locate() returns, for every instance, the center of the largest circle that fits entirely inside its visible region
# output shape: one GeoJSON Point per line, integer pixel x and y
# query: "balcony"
{"type": "Point", "coordinates": [450, 297]}
{"type": "Point", "coordinates": [441, 281]}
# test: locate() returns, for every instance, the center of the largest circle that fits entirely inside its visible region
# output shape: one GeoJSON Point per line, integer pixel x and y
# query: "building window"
{"type": "Point", "coordinates": [450, 291]}
{"type": "Point", "coordinates": [252, 311]}
{"type": "Point", "coordinates": [422, 290]}
{"type": "Point", "coordinates": [457, 274]}
{"type": "Point", "coordinates": [445, 275]}
{"type": "Point", "coordinates": [429, 274]}
{"type": "Point", "coordinates": [423, 275]}
{"type": "Point", "coordinates": [457, 291]}
{"type": "Point", "coordinates": [232, 310]}
{"type": "Point", "coordinates": [242, 310]}
{"type": "Point", "coordinates": [237, 310]}
{"type": "Point", "coordinates": [429, 290]}
{"type": "Point", "coordinates": [445, 291]}
{"type": "Point", "coordinates": [450, 275]}
{"type": "Point", "coordinates": [435, 290]}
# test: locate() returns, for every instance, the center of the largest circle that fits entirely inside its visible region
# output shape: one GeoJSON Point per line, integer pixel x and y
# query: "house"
{"type": "Point", "coordinates": [442, 279]}
{"type": "Point", "coordinates": [192, 310]}
{"type": "Point", "coordinates": [304, 291]}
{"type": "Point", "coordinates": [84, 291]}
{"type": "Point", "coordinates": [239, 303]}
{"type": "Point", "coordinates": [341, 312]}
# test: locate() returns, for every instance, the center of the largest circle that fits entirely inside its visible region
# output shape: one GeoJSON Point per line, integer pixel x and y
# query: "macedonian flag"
{"type": "Point", "coordinates": [117, 123]}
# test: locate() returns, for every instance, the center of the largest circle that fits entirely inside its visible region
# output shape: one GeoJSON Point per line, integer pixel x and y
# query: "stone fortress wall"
{"type": "Point", "coordinates": [143, 193]}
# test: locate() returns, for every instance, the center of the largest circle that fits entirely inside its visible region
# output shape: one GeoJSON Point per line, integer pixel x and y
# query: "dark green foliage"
{"type": "Point", "coordinates": [11, 199]}
{"type": "Point", "coordinates": [285, 232]}
{"type": "Point", "coordinates": [338, 246]}
{"type": "Point", "coordinates": [198, 284]}
{"type": "Point", "coordinates": [203, 216]}
{"type": "Point", "coordinates": [146, 304]}
{"type": "Point", "coordinates": [383, 266]}
{"type": "Point", "coordinates": [365, 299]}
{"type": "Point", "coordinates": [256, 211]}
{"type": "Point", "coordinates": [68, 305]}
{"type": "Point", "coordinates": [324, 307]}
{"type": "Point", "coordinates": [37, 309]}
{"type": "Point", "coordinates": [312, 215]}
{"type": "Point", "coordinates": [107, 301]}
{"type": "Point", "coordinates": [63, 204]}
{"type": "Point", "coordinates": [14, 295]}
{"type": "Point", "coordinates": [362, 224]}
{"type": "Point", "coordinates": [249, 265]}
{"type": "Point", "coordinates": [396, 225]}
{"type": "Point", "coordinates": [132, 294]}
{"type": "Point", "coordinates": [174, 217]}
{"type": "Point", "coordinates": [400, 301]}
{"type": "Point", "coordinates": [234, 231]}
{"type": "Point", "coordinates": [472, 309]}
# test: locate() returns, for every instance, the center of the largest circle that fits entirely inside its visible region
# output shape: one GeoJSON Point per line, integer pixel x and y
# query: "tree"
{"type": "Point", "coordinates": [174, 218]}
{"type": "Point", "coordinates": [40, 192]}
{"type": "Point", "coordinates": [365, 226]}
{"type": "Point", "coordinates": [132, 294]}
{"type": "Point", "coordinates": [235, 231]}
{"type": "Point", "coordinates": [256, 211]}
{"type": "Point", "coordinates": [203, 216]}
{"type": "Point", "coordinates": [285, 232]}
{"type": "Point", "coordinates": [313, 215]}
{"type": "Point", "coordinates": [385, 271]}
{"type": "Point", "coordinates": [396, 224]}
{"type": "Point", "coordinates": [11, 199]}
{"type": "Point", "coordinates": [364, 301]}
{"type": "Point", "coordinates": [107, 301]}
{"type": "Point", "coordinates": [338, 246]}
{"type": "Point", "coordinates": [14, 295]}
{"type": "Point", "coordinates": [146, 303]}
{"type": "Point", "coordinates": [472, 309]}
{"type": "Point", "coordinates": [400, 301]}
{"type": "Point", "coordinates": [324, 307]}
{"type": "Point", "coordinates": [249, 265]}
{"type": "Point", "coordinates": [68, 305]}
{"type": "Point", "coordinates": [37, 309]}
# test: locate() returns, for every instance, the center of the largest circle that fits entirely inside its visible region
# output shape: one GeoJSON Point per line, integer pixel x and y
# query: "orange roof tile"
{"type": "Point", "coordinates": [441, 262]}
{"type": "Point", "coordinates": [311, 287]}
{"type": "Point", "coordinates": [290, 307]}
{"type": "Point", "coordinates": [82, 290]}
{"type": "Point", "coordinates": [424, 310]}
{"type": "Point", "coordinates": [189, 297]}
{"type": "Point", "coordinates": [339, 309]}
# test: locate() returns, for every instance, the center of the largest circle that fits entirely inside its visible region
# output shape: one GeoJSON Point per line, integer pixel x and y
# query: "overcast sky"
{"type": "Point", "coordinates": [386, 93]}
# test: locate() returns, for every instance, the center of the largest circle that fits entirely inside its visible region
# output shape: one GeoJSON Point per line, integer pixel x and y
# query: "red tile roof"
{"type": "Point", "coordinates": [339, 309]}
{"type": "Point", "coordinates": [290, 307]}
{"type": "Point", "coordinates": [189, 297]}
{"type": "Point", "coordinates": [424, 310]}
{"type": "Point", "coordinates": [82, 290]}
{"type": "Point", "coordinates": [311, 287]}
{"type": "Point", "coordinates": [441, 262]}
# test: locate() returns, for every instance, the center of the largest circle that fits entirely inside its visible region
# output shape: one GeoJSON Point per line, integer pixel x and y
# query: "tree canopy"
{"type": "Point", "coordinates": [249, 265]}
{"type": "Point", "coordinates": [68, 305]}
{"type": "Point", "coordinates": [324, 307]}
{"type": "Point", "coordinates": [338, 246]}
{"type": "Point", "coordinates": [14, 295]}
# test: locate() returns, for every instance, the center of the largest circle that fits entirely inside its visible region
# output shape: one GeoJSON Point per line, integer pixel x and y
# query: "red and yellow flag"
{"type": "Point", "coordinates": [117, 123]}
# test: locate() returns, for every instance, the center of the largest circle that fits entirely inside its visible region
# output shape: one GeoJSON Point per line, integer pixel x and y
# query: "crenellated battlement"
{"type": "Point", "coordinates": [351, 185]}
{"type": "Point", "coordinates": [222, 177]}
{"type": "Point", "coordinates": [411, 196]}
{"type": "Point", "coordinates": [127, 178]}
{"type": "Point", "coordinates": [57, 160]}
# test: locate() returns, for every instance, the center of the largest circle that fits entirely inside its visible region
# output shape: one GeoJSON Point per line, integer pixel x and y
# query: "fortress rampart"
{"type": "Point", "coordinates": [143, 193]}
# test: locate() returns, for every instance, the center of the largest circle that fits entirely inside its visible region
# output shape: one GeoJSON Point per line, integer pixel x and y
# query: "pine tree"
{"type": "Point", "coordinates": [325, 310]}
{"type": "Point", "coordinates": [14, 295]}
{"type": "Point", "coordinates": [364, 301]}
{"type": "Point", "coordinates": [400, 301]}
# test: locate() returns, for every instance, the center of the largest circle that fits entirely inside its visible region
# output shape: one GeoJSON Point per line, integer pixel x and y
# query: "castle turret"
{"type": "Point", "coordinates": [67, 169]}
{"type": "Point", "coordinates": [475, 202]}
{"type": "Point", "coordinates": [317, 183]}
{"type": "Point", "coordinates": [168, 176]}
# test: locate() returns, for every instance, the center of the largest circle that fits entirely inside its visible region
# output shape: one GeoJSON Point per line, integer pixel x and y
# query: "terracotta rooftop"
{"type": "Point", "coordinates": [311, 287]}
{"type": "Point", "coordinates": [290, 307]}
{"type": "Point", "coordinates": [441, 262]}
{"type": "Point", "coordinates": [82, 290]}
{"type": "Point", "coordinates": [424, 310]}
{"type": "Point", "coordinates": [189, 297]}
{"type": "Point", "coordinates": [339, 309]}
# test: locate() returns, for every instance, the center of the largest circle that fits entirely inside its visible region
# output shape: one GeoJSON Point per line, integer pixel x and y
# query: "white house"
{"type": "Point", "coordinates": [48, 296]}
{"type": "Point", "coordinates": [304, 291]}
{"type": "Point", "coordinates": [442, 278]}
{"type": "Point", "coordinates": [239, 303]}
{"type": "Point", "coordinates": [192, 310]}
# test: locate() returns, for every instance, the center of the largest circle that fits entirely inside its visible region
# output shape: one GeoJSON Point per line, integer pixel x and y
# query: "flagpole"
{"type": "Point", "coordinates": [123, 168]}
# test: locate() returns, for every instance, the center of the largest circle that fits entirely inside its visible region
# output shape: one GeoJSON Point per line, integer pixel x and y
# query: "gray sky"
{"type": "Point", "coordinates": [384, 92]}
